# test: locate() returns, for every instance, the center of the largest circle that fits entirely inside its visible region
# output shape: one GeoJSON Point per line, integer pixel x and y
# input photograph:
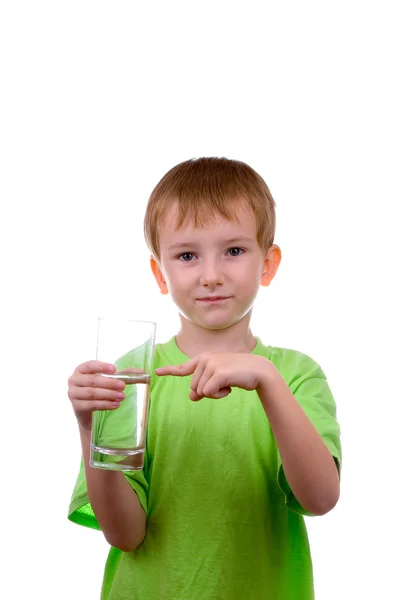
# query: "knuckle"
{"type": "Point", "coordinates": [71, 394]}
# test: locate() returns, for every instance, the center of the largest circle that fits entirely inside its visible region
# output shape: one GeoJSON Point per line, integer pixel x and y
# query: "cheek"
{"type": "Point", "coordinates": [249, 275]}
{"type": "Point", "coordinates": [249, 281]}
{"type": "Point", "coordinates": [178, 281]}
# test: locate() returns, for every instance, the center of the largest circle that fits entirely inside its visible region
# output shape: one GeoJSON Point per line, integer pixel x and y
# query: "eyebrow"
{"type": "Point", "coordinates": [235, 240]}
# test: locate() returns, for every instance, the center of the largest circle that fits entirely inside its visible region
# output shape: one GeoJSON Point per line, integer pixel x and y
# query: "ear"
{"type": "Point", "coordinates": [271, 264]}
{"type": "Point", "coordinates": [158, 275]}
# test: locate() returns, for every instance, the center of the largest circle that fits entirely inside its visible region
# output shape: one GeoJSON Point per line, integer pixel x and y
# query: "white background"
{"type": "Point", "coordinates": [98, 100]}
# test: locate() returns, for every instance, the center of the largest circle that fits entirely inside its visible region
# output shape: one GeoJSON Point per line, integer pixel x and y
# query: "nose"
{"type": "Point", "coordinates": [212, 275]}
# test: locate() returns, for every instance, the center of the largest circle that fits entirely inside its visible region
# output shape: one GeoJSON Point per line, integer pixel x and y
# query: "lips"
{"type": "Point", "coordinates": [214, 298]}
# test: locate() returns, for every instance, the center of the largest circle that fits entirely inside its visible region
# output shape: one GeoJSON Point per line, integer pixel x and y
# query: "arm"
{"type": "Point", "coordinates": [115, 504]}
{"type": "Point", "coordinates": [309, 467]}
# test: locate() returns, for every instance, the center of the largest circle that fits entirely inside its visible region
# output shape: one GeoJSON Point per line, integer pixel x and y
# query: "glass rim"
{"type": "Point", "coordinates": [126, 320]}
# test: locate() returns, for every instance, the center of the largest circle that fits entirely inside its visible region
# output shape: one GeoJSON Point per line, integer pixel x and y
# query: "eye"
{"type": "Point", "coordinates": [236, 251]}
{"type": "Point", "coordinates": [186, 257]}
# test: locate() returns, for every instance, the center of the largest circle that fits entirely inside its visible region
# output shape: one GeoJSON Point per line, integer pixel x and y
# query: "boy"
{"type": "Point", "coordinates": [242, 438]}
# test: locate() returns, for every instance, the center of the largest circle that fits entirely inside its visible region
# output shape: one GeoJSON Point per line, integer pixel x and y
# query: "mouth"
{"type": "Point", "coordinates": [214, 299]}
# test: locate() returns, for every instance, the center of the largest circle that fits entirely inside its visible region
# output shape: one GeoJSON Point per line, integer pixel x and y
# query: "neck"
{"type": "Point", "coordinates": [194, 340]}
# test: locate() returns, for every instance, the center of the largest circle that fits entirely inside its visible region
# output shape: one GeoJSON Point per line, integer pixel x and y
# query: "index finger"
{"type": "Point", "coordinates": [182, 370]}
{"type": "Point", "coordinates": [95, 366]}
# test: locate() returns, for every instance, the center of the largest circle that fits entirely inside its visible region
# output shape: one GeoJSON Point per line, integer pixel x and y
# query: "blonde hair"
{"type": "Point", "coordinates": [204, 188]}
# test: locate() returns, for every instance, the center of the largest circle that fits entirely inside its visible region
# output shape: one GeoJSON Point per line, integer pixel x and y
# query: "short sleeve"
{"type": "Point", "coordinates": [80, 510]}
{"type": "Point", "coordinates": [309, 385]}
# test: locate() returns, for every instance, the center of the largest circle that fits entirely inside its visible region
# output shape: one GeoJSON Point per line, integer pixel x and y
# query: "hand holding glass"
{"type": "Point", "coordinates": [119, 435]}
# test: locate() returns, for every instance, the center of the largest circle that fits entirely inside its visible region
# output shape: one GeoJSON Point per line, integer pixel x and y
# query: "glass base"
{"type": "Point", "coordinates": [116, 459]}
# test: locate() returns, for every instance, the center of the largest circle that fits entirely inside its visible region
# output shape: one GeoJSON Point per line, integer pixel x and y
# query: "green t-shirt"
{"type": "Point", "coordinates": [222, 522]}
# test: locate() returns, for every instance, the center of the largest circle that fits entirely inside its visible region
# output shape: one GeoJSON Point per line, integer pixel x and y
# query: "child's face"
{"type": "Point", "coordinates": [214, 273]}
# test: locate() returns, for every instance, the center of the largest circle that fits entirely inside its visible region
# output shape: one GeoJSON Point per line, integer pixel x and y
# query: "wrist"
{"type": "Point", "coordinates": [269, 376]}
{"type": "Point", "coordinates": [84, 421]}
{"type": "Point", "coordinates": [84, 432]}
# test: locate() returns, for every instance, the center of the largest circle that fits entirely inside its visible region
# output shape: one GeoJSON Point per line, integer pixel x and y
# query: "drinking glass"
{"type": "Point", "coordinates": [119, 435]}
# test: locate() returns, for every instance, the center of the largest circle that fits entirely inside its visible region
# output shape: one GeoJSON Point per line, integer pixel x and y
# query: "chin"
{"type": "Point", "coordinates": [214, 324]}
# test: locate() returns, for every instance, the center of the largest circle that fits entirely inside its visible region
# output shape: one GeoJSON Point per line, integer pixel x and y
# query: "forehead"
{"type": "Point", "coordinates": [243, 224]}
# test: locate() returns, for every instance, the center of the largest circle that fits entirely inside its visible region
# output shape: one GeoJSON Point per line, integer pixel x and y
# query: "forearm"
{"type": "Point", "coordinates": [115, 504]}
{"type": "Point", "coordinates": [309, 467]}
